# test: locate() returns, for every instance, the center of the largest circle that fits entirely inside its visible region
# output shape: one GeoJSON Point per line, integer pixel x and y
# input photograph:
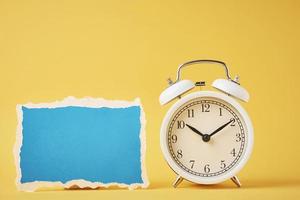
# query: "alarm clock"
{"type": "Point", "coordinates": [206, 136]}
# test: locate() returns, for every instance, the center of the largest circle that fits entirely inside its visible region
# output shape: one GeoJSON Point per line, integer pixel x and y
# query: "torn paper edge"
{"type": "Point", "coordinates": [82, 102]}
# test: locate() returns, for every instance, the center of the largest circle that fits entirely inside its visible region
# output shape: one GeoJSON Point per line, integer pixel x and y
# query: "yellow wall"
{"type": "Point", "coordinates": [126, 49]}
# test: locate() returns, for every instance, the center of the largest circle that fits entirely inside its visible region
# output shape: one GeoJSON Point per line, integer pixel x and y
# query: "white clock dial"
{"type": "Point", "coordinates": [206, 137]}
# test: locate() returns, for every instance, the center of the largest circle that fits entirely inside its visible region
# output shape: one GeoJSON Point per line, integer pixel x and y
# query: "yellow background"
{"type": "Point", "coordinates": [125, 49]}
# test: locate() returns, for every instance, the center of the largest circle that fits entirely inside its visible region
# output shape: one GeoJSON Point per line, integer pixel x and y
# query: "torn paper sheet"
{"type": "Point", "coordinates": [81, 143]}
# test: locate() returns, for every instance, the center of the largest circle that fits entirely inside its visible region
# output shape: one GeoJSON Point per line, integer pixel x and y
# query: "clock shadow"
{"type": "Point", "coordinates": [221, 186]}
{"type": "Point", "coordinates": [272, 183]}
{"type": "Point", "coordinates": [246, 184]}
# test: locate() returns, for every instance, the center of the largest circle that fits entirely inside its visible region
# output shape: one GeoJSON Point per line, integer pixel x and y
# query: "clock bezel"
{"type": "Point", "coordinates": [214, 179]}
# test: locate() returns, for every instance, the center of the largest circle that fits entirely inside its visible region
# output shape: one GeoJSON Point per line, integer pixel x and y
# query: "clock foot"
{"type": "Point", "coordinates": [178, 180]}
{"type": "Point", "coordinates": [236, 181]}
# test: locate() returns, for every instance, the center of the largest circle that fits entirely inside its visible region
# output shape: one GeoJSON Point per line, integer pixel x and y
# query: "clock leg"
{"type": "Point", "coordinates": [236, 181]}
{"type": "Point", "coordinates": [178, 180]}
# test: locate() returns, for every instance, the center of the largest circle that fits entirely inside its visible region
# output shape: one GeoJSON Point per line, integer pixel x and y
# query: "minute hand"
{"type": "Point", "coordinates": [220, 128]}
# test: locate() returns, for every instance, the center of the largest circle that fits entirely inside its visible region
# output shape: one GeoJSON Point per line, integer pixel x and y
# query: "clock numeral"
{"type": "Point", "coordinates": [190, 113]}
{"type": "Point", "coordinates": [220, 112]}
{"type": "Point", "coordinates": [222, 165]}
{"type": "Point", "coordinates": [174, 138]}
{"type": "Point", "coordinates": [233, 122]}
{"type": "Point", "coordinates": [233, 152]}
{"type": "Point", "coordinates": [206, 168]}
{"type": "Point", "coordinates": [179, 153]}
{"type": "Point", "coordinates": [238, 137]}
{"type": "Point", "coordinates": [192, 163]}
{"type": "Point", "coordinates": [180, 124]}
{"type": "Point", "coordinates": [205, 107]}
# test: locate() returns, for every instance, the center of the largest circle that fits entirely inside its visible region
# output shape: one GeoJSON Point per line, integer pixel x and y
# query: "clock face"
{"type": "Point", "coordinates": [206, 137]}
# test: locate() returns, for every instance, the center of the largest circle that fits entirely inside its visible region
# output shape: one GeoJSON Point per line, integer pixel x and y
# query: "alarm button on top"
{"type": "Point", "coordinates": [232, 89]}
{"type": "Point", "coordinates": [175, 90]}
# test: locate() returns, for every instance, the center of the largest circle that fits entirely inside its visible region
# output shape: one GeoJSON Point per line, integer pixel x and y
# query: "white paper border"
{"type": "Point", "coordinates": [82, 102]}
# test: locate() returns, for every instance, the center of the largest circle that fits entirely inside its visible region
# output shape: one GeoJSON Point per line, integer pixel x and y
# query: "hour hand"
{"type": "Point", "coordinates": [195, 130]}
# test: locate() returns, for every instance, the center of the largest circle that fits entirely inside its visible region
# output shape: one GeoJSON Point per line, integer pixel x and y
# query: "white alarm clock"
{"type": "Point", "coordinates": [206, 137]}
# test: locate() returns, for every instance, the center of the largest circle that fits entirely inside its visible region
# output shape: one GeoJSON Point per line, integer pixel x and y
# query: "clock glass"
{"type": "Point", "coordinates": [206, 137]}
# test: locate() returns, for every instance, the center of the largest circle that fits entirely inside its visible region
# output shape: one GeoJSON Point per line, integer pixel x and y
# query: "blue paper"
{"type": "Point", "coordinates": [98, 145]}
